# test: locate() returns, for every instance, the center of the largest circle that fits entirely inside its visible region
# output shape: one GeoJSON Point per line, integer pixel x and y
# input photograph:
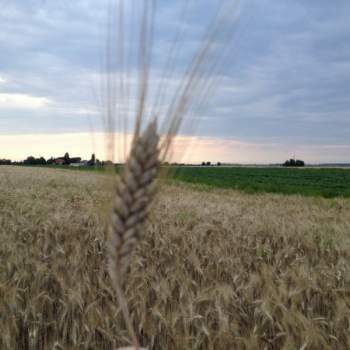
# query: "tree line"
{"type": "Point", "coordinates": [294, 163]}
{"type": "Point", "coordinates": [65, 160]}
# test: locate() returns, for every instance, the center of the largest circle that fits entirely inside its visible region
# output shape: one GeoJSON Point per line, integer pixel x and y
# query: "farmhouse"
{"type": "Point", "coordinates": [59, 161]}
{"type": "Point", "coordinates": [83, 163]}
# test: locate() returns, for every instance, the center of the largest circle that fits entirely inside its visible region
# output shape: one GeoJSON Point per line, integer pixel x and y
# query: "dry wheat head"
{"type": "Point", "coordinates": [134, 192]}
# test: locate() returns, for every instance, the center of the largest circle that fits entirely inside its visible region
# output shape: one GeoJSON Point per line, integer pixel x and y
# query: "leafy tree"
{"type": "Point", "coordinates": [66, 158]}
{"type": "Point", "coordinates": [294, 163]}
{"type": "Point", "coordinates": [41, 161]}
{"type": "Point", "coordinates": [51, 160]}
{"type": "Point", "coordinates": [34, 161]}
{"type": "Point", "coordinates": [29, 161]}
{"type": "Point", "coordinates": [92, 161]}
{"type": "Point", "coordinates": [5, 162]}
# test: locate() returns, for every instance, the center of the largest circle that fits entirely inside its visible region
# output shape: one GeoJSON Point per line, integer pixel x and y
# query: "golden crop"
{"type": "Point", "coordinates": [215, 270]}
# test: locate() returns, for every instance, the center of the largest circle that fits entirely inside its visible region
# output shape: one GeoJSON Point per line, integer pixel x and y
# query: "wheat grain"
{"type": "Point", "coordinates": [135, 189]}
{"type": "Point", "coordinates": [134, 192]}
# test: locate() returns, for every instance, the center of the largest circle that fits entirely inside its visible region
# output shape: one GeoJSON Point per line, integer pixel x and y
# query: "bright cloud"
{"type": "Point", "coordinates": [22, 101]}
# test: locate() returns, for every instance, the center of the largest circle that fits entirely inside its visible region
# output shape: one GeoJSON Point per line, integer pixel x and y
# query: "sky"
{"type": "Point", "coordinates": [280, 87]}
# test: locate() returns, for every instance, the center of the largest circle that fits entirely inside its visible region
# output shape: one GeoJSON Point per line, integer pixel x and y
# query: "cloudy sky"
{"type": "Point", "coordinates": [281, 88]}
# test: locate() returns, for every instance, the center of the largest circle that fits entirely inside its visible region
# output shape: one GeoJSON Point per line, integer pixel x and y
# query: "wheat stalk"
{"type": "Point", "coordinates": [134, 193]}
{"type": "Point", "coordinates": [135, 187]}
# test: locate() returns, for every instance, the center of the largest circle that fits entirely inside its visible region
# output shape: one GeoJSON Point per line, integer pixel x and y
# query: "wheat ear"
{"type": "Point", "coordinates": [134, 193]}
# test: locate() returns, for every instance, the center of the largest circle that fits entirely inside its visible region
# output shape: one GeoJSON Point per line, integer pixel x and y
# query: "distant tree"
{"type": "Point", "coordinates": [208, 163]}
{"type": "Point", "coordinates": [92, 161]}
{"type": "Point", "coordinates": [5, 162]}
{"type": "Point", "coordinates": [29, 161]}
{"type": "Point", "coordinates": [219, 164]}
{"type": "Point", "coordinates": [41, 161]}
{"type": "Point", "coordinates": [203, 163]}
{"type": "Point", "coordinates": [66, 158]}
{"type": "Point", "coordinates": [50, 161]}
{"type": "Point", "coordinates": [294, 163]}
{"type": "Point", "coordinates": [34, 161]}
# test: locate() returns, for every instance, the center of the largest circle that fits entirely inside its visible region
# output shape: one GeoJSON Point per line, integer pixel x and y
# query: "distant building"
{"type": "Point", "coordinates": [60, 161]}
{"type": "Point", "coordinates": [84, 163]}
{"type": "Point", "coordinates": [75, 160]}
{"type": "Point", "coordinates": [66, 160]}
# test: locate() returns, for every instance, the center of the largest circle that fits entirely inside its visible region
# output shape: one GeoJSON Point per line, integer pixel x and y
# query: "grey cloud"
{"type": "Point", "coordinates": [286, 80]}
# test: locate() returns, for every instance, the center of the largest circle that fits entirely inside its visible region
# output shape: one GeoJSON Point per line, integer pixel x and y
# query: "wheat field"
{"type": "Point", "coordinates": [215, 270]}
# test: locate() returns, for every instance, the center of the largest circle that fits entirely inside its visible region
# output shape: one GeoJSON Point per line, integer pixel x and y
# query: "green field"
{"type": "Point", "coordinates": [324, 182]}
{"type": "Point", "coordinates": [307, 181]}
